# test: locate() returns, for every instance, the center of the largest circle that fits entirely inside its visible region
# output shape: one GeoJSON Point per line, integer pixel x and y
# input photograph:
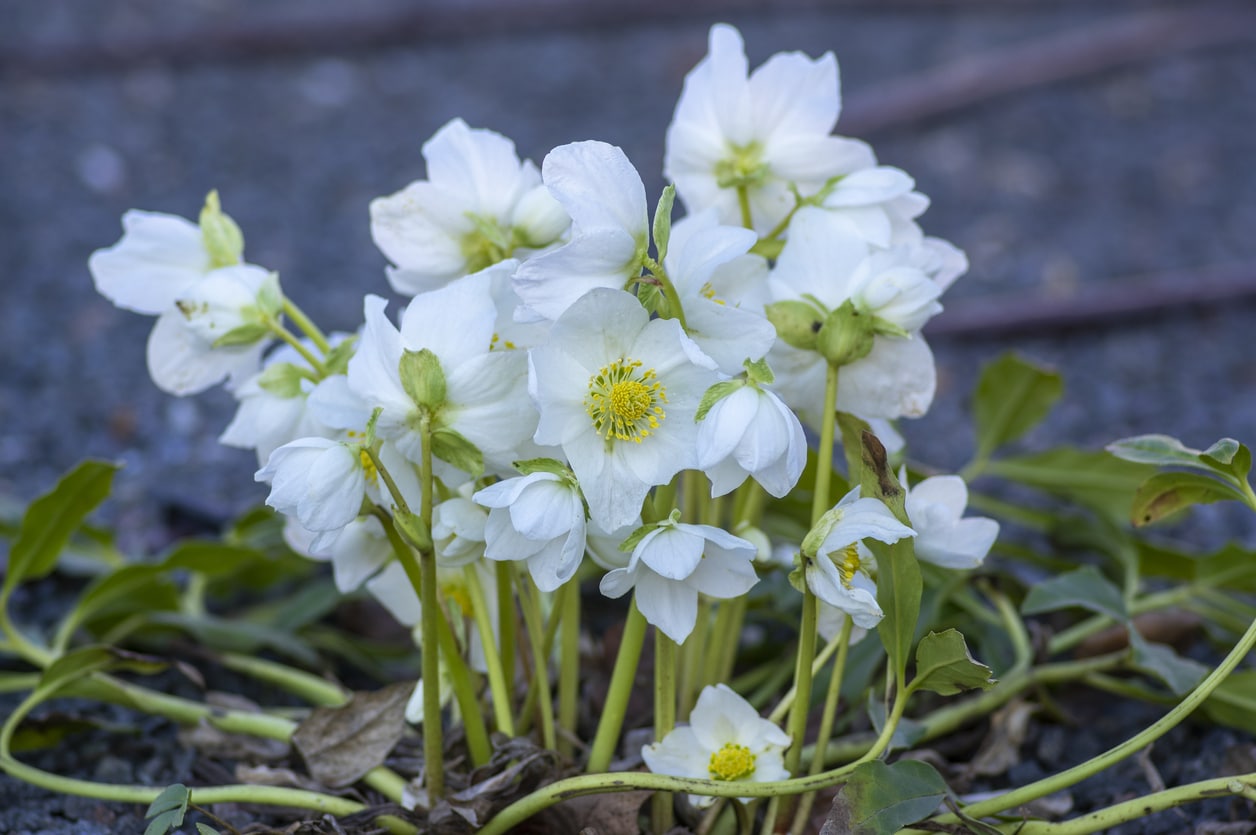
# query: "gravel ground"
{"type": "Point", "coordinates": [1055, 192]}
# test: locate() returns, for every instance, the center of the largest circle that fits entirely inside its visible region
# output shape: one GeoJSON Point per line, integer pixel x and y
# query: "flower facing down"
{"type": "Point", "coordinates": [672, 563]}
{"type": "Point", "coordinates": [538, 518]}
{"type": "Point", "coordinates": [840, 570]}
{"type": "Point", "coordinates": [750, 432]}
{"type": "Point", "coordinates": [726, 741]}
{"type": "Point", "coordinates": [935, 506]}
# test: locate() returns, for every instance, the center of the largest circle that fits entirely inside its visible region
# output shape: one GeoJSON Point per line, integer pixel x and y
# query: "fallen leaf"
{"type": "Point", "coordinates": [341, 744]}
{"type": "Point", "coordinates": [1000, 750]}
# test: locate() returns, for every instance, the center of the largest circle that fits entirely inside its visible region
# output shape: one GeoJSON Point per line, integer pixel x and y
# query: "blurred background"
{"type": "Point", "coordinates": [1095, 160]}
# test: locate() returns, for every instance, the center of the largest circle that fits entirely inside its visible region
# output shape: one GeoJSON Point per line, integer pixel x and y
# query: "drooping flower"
{"type": "Point", "coordinates": [840, 571]}
{"type": "Point", "coordinates": [751, 433]}
{"type": "Point", "coordinates": [675, 561]}
{"type": "Point", "coordinates": [935, 507]}
{"type": "Point", "coordinates": [479, 205]}
{"type": "Point", "coordinates": [356, 553]}
{"type": "Point", "coordinates": [618, 392]}
{"type": "Point", "coordinates": [538, 518]}
{"type": "Point", "coordinates": [458, 531]}
{"type": "Point", "coordinates": [726, 740]}
{"type": "Point", "coordinates": [610, 236]}
{"type": "Point", "coordinates": [756, 135]}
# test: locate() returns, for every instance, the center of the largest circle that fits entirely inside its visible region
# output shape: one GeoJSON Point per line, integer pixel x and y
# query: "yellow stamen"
{"type": "Point", "coordinates": [732, 762]}
{"type": "Point", "coordinates": [624, 401]}
{"type": "Point", "coordinates": [847, 562]}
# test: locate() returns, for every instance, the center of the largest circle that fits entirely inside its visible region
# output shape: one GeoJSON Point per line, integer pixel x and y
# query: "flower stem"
{"type": "Point", "coordinates": [622, 678]}
{"type": "Point", "coordinates": [824, 453]}
{"type": "Point", "coordinates": [787, 701]}
{"type": "Point", "coordinates": [568, 664]}
{"type": "Point", "coordinates": [464, 693]}
{"type": "Point", "coordinates": [506, 617]}
{"type": "Point", "coordinates": [492, 660]}
{"type": "Point", "coordinates": [433, 746]}
{"type": "Point", "coordinates": [802, 816]}
{"type": "Point", "coordinates": [664, 718]}
{"type": "Point", "coordinates": [278, 329]}
{"type": "Point", "coordinates": [306, 325]}
{"type": "Point", "coordinates": [802, 682]}
{"type": "Point", "coordinates": [743, 202]}
{"type": "Point", "coordinates": [530, 601]}
{"type": "Point", "coordinates": [314, 689]}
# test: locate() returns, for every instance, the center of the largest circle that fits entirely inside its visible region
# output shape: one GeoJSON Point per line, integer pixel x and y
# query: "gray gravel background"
{"type": "Point", "coordinates": [1101, 181]}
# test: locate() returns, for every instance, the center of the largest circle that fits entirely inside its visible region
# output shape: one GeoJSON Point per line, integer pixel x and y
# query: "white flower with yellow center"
{"type": "Point", "coordinates": [841, 571]}
{"type": "Point", "coordinates": [726, 740]}
{"type": "Point", "coordinates": [618, 392]}
{"type": "Point", "coordinates": [478, 206]}
{"type": "Point", "coordinates": [756, 134]}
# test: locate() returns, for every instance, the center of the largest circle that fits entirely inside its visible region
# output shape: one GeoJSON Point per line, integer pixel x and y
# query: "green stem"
{"type": "Point", "coordinates": [276, 327]}
{"type": "Point", "coordinates": [506, 616]}
{"type": "Point", "coordinates": [743, 202]}
{"type": "Point", "coordinates": [803, 815]}
{"type": "Point", "coordinates": [787, 701]}
{"type": "Point", "coordinates": [802, 682]}
{"type": "Point", "coordinates": [664, 718]}
{"type": "Point", "coordinates": [29, 651]}
{"type": "Point", "coordinates": [530, 602]}
{"type": "Point", "coordinates": [1077, 773]}
{"type": "Point", "coordinates": [618, 693]}
{"type": "Point", "coordinates": [824, 453]}
{"type": "Point", "coordinates": [568, 664]}
{"type": "Point", "coordinates": [306, 325]}
{"type": "Point", "coordinates": [496, 680]}
{"type": "Point", "coordinates": [665, 284]}
{"type": "Point", "coordinates": [313, 689]}
{"type": "Point", "coordinates": [464, 693]}
{"type": "Point", "coordinates": [433, 744]}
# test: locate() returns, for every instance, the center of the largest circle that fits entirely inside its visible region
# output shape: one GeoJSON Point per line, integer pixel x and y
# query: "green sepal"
{"type": "Point", "coordinates": [282, 379]}
{"type": "Point", "coordinates": [846, 335]}
{"type": "Point", "coordinates": [423, 378]}
{"type": "Point", "coordinates": [220, 234]}
{"type": "Point", "coordinates": [552, 466]}
{"type": "Point", "coordinates": [798, 574]}
{"type": "Point", "coordinates": [758, 371]}
{"type": "Point", "coordinates": [663, 221]}
{"type": "Point", "coordinates": [270, 296]}
{"type": "Point", "coordinates": [413, 529]}
{"type": "Point", "coordinates": [796, 322]}
{"type": "Point", "coordinates": [714, 395]}
{"type": "Point", "coordinates": [369, 440]}
{"type": "Point", "coordinates": [337, 359]}
{"type": "Point", "coordinates": [450, 446]}
{"type": "Point", "coordinates": [810, 548]}
{"type": "Point", "coordinates": [652, 298]}
{"type": "Point", "coordinates": [769, 248]}
{"type": "Point", "coordinates": [634, 538]}
{"type": "Point", "coordinates": [246, 334]}
{"type": "Point", "coordinates": [945, 666]}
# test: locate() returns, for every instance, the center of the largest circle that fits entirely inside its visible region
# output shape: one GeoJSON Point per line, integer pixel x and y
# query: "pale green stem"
{"type": "Point", "coordinates": [306, 325]}
{"type": "Point", "coordinates": [496, 680]}
{"type": "Point", "coordinates": [802, 682]}
{"type": "Point", "coordinates": [506, 616]}
{"type": "Point", "coordinates": [1073, 775]}
{"type": "Point", "coordinates": [674, 306]}
{"type": "Point", "coordinates": [664, 718]}
{"type": "Point", "coordinates": [743, 202]}
{"type": "Point", "coordinates": [29, 651]}
{"type": "Point", "coordinates": [803, 815]}
{"type": "Point", "coordinates": [314, 689]}
{"type": "Point", "coordinates": [787, 701]}
{"type": "Point", "coordinates": [523, 725]}
{"type": "Point", "coordinates": [689, 678]}
{"type": "Point", "coordinates": [824, 453]}
{"type": "Point", "coordinates": [568, 664]}
{"type": "Point", "coordinates": [530, 602]}
{"type": "Point", "coordinates": [433, 733]}
{"type": "Point", "coordinates": [618, 693]}
{"type": "Point", "coordinates": [276, 327]}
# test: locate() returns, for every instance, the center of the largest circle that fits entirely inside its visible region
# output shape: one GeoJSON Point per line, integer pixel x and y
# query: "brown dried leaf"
{"type": "Point", "coordinates": [1000, 750]}
{"type": "Point", "coordinates": [341, 744]}
{"type": "Point", "coordinates": [595, 814]}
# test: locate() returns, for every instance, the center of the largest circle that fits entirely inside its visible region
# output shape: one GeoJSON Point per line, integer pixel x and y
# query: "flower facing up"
{"type": "Point", "coordinates": [935, 506]}
{"type": "Point", "coordinates": [751, 432]}
{"type": "Point", "coordinates": [839, 569]}
{"type": "Point", "coordinates": [539, 518]}
{"type": "Point", "coordinates": [474, 399]}
{"type": "Point", "coordinates": [756, 134]}
{"type": "Point", "coordinates": [726, 740]}
{"type": "Point", "coordinates": [478, 206]}
{"type": "Point", "coordinates": [618, 392]}
{"type": "Point", "coordinates": [603, 193]}
{"type": "Point", "coordinates": [672, 562]}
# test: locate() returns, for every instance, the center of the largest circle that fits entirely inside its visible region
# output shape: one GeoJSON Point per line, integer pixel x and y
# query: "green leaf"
{"type": "Point", "coordinates": [119, 586]}
{"type": "Point", "coordinates": [1013, 395]}
{"type": "Point", "coordinates": [210, 557]}
{"type": "Point", "coordinates": [899, 585]}
{"type": "Point", "coordinates": [206, 829]}
{"type": "Point", "coordinates": [423, 378]}
{"type": "Point", "coordinates": [1226, 456]}
{"type": "Point", "coordinates": [1085, 587]}
{"type": "Point", "coordinates": [450, 446]}
{"type": "Point", "coordinates": [53, 517]}
{"type": "Point", "coordinates": [1165, 494]}
{"type": "Point", "coordinates": [1180, 674]}
{"type": "Point", "coordinates": [168, 809]}
{"type": "Point", "coordinates": [944, 665]}
{"type": "Point", "coordinates": [246, 334]}
{"type": "Point", "coordinates": [881, 799]}
{"type": "Point", "coordinates": [85, 661]}
{"type": "Point", "coordinates": [663, 221]}
{"type": "Point", "coordinates": [714, 395]}
{"type": "Point", "coordinates": [851, 429]}
{"type": "Point", "coordinates": [1233, 703]}
{"type": "Point", "coordinates": [1097, 480]}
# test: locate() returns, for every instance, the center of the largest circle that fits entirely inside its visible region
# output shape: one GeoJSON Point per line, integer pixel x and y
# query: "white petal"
{"type": "Point", "coordinates": [897, 379]}
{"type": "Point", "coordinates": [479, 163]}
{"type": "Point", "coordinates": [551, 282]}
{"type": "Point", "coordinates": [724, 574]}
{"type": "Point", "coordinates": [157, 258]}
{"type": "Point", "coordinates": [948, 492]}
{"type": "Point", "coordinates": [963, 545]}
{"type": "Point", "coordinates": [669, 605]}
{"type": "Point", "coordinates": [678, 755]}
{"type": "Point", "coordinates": [670, 552]}
{"type": "Point", "coordinates": [181, 363]}
{"type": "Point", "coordinates": [455, 322]}
{"type": "Point", "coordinates": [718, 716]}
{"type": "Point", "coordinates": [598, 187]}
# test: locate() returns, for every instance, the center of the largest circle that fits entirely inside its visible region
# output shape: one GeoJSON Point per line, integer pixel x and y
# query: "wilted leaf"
{"type": "Point", "coordinates": [1000, 750]}
{"type": "Point", "coordinates": [1085, 587]}
{"type": "Point", "coordinates": [1164, 494]}
{"type": "Point", "coordinates": [880, 799]}
{"type": "Point", "coordinates": [945, 666]}
{"type": "Point", "coordinates": [341, 744]}
{"type": "Point", "coordinates": [1013, 395]}
{"type": "Point", "coordinates": [604, 814]}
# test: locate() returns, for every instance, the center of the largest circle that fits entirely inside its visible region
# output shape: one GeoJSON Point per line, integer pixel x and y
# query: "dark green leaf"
{"type": "Point", "coordinates": [1095, 479]}
{"type": "Point", "coordinates": [53, 517]}
{"type": "Point", "coordinates": [1233, 703]}
{"type": "Point", "coordinates": [206, 829]}
{"type": "Point", "coordinates": [165, 822]}
{"type": "Point", "coordinates": [1165, 494]}
{"type": "Point", "coordinates": [898, 573]}
{"type": "Point", "coordinates": [881, 799]}
{"type": "Point", "coordinates": [1180, 674]}
{"type": "Point", "coordinates": [944, 665]}
{"type": "Point", "coordinates": [85, 661]}
{"type": "Point", "coordinates": [1013, 395]}
{"type": "Point", "coordinates": [172, 797]}
{"type": "Point", "coordinates": [210, 557]}
{"type": "Point", "coordinates": [1085, 587]}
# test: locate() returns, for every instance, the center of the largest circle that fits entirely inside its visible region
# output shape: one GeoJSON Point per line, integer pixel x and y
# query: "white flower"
{"type": "Point", "coordinates": [760, 133]}
{"type": "Point", "coordinates": [879, 204]}
{"type": "Point", "coordinates": [479, 206]}
{"type": "Point", "coordinates": [602, 192]}
{"type": "Point", "coordinates": [538, 518]}
{"type": "Point", "coordinates": [830, 620]}
{"type": "Point", "coordinates": [485, 391]}
{"type": "Point", "coordinates": [356, 553]}
{"type": "Point", "coordinates": [751, 433]}
{"type": "Point", "coordinates": [618, 392]}
{"type": "Point", "coordinates": [840, 573]}
{"type": "Point", "coordinates": [458, 531]}
{"type": "Point", "coordinates": [158, 257]}
{"type": "Point", "coordinates": [721, 289]}
{"type": "Point", "coordinates": [935, 506]}
{"type": "Point", "coordinates": [726, 740]}
{"type": "Point", "coordinates": [673, 563]}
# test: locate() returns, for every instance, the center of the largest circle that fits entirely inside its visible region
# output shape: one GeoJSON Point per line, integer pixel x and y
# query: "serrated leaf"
{"type": "Point", "coordinates": [51, 519]}
{"type": "Point", "coordinates": [881, 799]}
{"type": "Point", "coordinates": [1085, 587]}
{"type": "Point", "coordinates": [342, 744]}
{"type": "Point", "coordinates": [1012, 396]}
{"type": "Point", "coordinates": [945, 666]}
{"type": "Point", "coordinates": [1097, 480]}
{"type": "Point", "coordinates": [1178, 673]}
{"type": "Point", "coordinates": [1165, 494]}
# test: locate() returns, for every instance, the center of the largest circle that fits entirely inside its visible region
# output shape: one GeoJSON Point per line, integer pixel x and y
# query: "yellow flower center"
{"type": "Point", "coordinates": [457, 592]}
{"type": "Point", "coordinates": [708, 292]}
{"type": "Point", "coordinates": [624, 401]}
{"type": "Point", "coordinates": [368, 467]}
{"type": "Point", "coordinates": [499, 344]}
{"type": "Point", "coordinates": [847, 562]}
{"type": "Point", "coordinates": [732, 762]}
